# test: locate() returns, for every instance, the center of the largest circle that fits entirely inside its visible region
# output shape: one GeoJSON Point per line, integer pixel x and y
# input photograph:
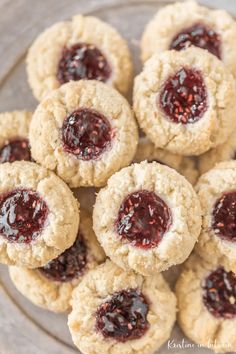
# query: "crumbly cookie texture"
{"type": "Point", "coordinates": [174, 18]}
{"type": "Point", "coordinates": [210, 187]}
{"type": "Point", "coordinates": [97, 287]}
{"type": "Point", "coordinates": [56, 295]}
{"type": "Point", "coordinates": [177, 242]}
{"type": "Point", "coordinates": [184, 165]}
{"type": "Point", "coordinates": [45, 53]}
{"type": "Point", "coordinates": [47, 122]}
{"type": "Point", "coordinates": [217, 122]}
{"type": "Point", "coordinates": [224, 152]}
{"type": "Point", "coordinates": [14, 124]}
{"type": "Point", "coordinates": [193, 316]}
{"type": "Point", "coordinates": [62, 221]}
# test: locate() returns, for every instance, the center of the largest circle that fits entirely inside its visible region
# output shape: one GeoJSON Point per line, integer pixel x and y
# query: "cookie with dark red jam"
{"type": "Point", "coordinates": [23, 215]}
{"type": "Point", "coordinates": [185, 24]}
{"type": "Point", "coordinates": [69, 265]}
{"type": "Point", "coordinates": [199, 35]}
{"type": "Point", "coordinates": [123, 309]}
{"type": "Point", "coordinates": [96, 135]}
{"type": "Point", "coordinates": [14, 130]}
{"type": "Point", "coordinates": [83, 48]}
{"type": "Point", "coordinates": [51, 286]}
{"type": "Point", "coordinates": [86, 134]}
{"type": "Point", "coordinates": [83, 61]}
{"type": "Point", "coordinates": [15, 150]}
{"type": "Point", "coordinates": [135, 218]}
{"type": "Point", "coordinates": [219, 293]}
{"type": "Point", "coordinates": [217, 193]}
{"type": "Point", "coordinates": [183, 96]}
{"type": "Point", "coordinates": [206, 295]}
{"type": "Point", "coordinates": [173, 101]}
{"type": "Point", "coordinates": [124, 316]}
{"type": "Point", "coordinates": [30, 232]}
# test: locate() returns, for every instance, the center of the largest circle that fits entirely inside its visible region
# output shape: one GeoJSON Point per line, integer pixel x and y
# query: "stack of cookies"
{"type": "Point", "coordinates": [104, 266]}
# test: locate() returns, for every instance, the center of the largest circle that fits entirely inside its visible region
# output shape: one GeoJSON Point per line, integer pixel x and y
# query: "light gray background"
{"type": "Point", "coordinates": [24, 329]}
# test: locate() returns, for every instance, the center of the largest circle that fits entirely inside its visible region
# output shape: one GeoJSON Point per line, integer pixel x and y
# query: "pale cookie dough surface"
{"type": "Point", "coordinates": [193, 316]}
{"type": "Point", "coordinates": [45, 53]}
{"type": "Point", "coordinates": [45, 132]}
{"type": "Point", "coordinates": [174, 18]}
{"type": "Point", "coordinates": [177, 193]}
{"type": "Point", "coordinates": [210, 187]}
{"type": "Point", "coordinates": [62, 222]}
{"type": "Point", "coordinates": [14, 124]}
{"type": "Point", "coordinates": [56, 295]}
{"type": "Point", "coordinates": [224, 152]}
{"type": "Point", "coordinates": [216, 124]}
{"type": "Point", "coordinates": [97, 287]}
{"type": "Point", "coordinates": [184, 165]}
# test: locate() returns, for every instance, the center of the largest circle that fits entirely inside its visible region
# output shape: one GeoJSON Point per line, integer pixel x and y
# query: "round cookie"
{"type": "Point", "coordinates": [51, 286]}
{"type": "Point", "coordinates": [184, 165]}
{"type": "Point", "coordinates": [121, 312]}
{"type": "Point", "coordinates": [184, 101]}
{"type": "Point", "coordinates": [224, 152]}
{"type": "Point", "coordinates": [217, 194]}
{"type": "Point", "coordinates": [206, 296]}
{"type": "Point", "coordinates": [85, 131]}
{"type": "Point", "coordinates": [39, 216]}
{"type": "Point", "coordinates": [14, 129]}
{"type": "Point", "coordinates": [180, 25]}
{"type": "Point", "coordinates": [83, 48]}
{"type": "Point", "coordinates": [147, 218]}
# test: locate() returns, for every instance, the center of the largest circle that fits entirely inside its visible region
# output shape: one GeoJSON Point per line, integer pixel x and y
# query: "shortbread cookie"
{"type": "Point", "coordinates": [217, 194]}
{"type": "Point", "coordinates": [184, 101]}
{"type": "Point", "coordinates": [148, 218]}
{"type": "Point", "coordinates": [85, 131]}
{"type": "Point", "coordinates": [224, 152]}
{"type": "Point", "coordinates": [121, 312]}
{"type": "Point", "coordinates": [51, 286]}
{"type": "Point", "coordinates": [180, 25]}
{"type": "Point", "coordinates": [14, 129]}
{"type": "Point", "coordinates": [206, 296]}
{"type": "Point", "coordinates": [39, 216]}
{"type": "Point", "coordinates": [83, 48]}
{"type": "Point", "coordinates": [184, 165]}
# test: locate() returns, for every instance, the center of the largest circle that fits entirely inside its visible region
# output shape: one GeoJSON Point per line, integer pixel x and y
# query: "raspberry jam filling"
{"type": "Point", "coordinates": [124, 316]}
{"type": "Point", "coordinates": [224, 217]}
{"type": "Point", "coordinates": [219, 293]}
{"type": "Point", "coordinates": [183, 97]}
{"type": "Point", "coordinates": [83, 61]}
{"type": "Point", "coordinates": [15, 150]}
{"type": "Point", "coordinates": [23, 214]}
{"type": "Point", "coordinates": [69, 265]}
{"type": "Point", "coordinates": [143, 219]}
{"type": "Point", "coordinates": [86, 134]}
{"type": "Point", "coordinates": [200, 36]}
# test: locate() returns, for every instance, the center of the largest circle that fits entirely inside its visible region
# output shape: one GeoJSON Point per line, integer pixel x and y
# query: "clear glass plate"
{"type": "Point", "coordinates": [36, 331]}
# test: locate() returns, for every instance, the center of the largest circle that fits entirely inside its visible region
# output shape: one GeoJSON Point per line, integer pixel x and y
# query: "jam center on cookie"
{"type": "Point", "coordinates": [83, 61]}
{"type": "Point", "coordinates": [124, 316]}
{"type": "Point", "coordinates": [200, 36]}
{"type": "Point", "coordinates": [86, 133]}
{"type": "Point", "coordinates": [69, 265]}
{"type": "Point", "coordinates": [183, 97]}
{"type": "Point", "coordinates": [143, 219]}
{"type": "Point", "coordinates": [22, 215]}
{"type": "Point", "coordinates": [224, 217]}
{"type": "Point", "coordinates": [219, 293]}
{"type": "Point", "coordinates": [15, 150]}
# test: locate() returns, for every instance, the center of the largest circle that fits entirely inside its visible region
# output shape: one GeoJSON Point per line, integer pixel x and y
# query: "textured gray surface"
{"type": "Point", "coordinates": [25, 329]}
